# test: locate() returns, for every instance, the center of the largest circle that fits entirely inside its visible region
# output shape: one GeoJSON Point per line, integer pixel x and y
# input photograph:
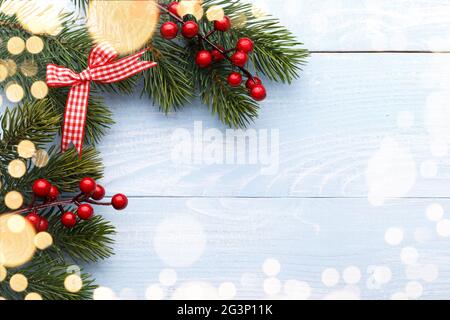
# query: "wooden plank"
{"type": "Point", "coordinates": [220, 240]}
{"type": "Point", "coordinates": [345, 111]}
{"type": "Point", "coordinates": [373, 25]}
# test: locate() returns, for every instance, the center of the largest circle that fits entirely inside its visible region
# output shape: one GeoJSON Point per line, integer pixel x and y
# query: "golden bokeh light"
{"type": "Point", "coordinates": [33, 296]}
{"type": "Point", "coordinates": [29, 68]}
{"type": "Point", "coordinates": [16, 248]}
{"type": "Point", "coordinates": [193, 7]}
{"type": "Point", "coordinates": [40, 158]}
{"type": "Point", "coordinates": [17, 168]}
{"type": "Point", "coordinates": [26, 149]}
{"type": "Point", "coordinates": [73, 283]}
{"type": "Point", "coordinates": [36, 16]}
{"type": "Point", "coordinates": [239, 21]}
{"type": "Point", "coordinates": [258, 12]}
{"type": "Point", "coordinates": [215, 13]}
{"type": "Point", "coordinates": [16, 224]}
{"type": "Point", "coordinates": [13, 200]}
{"type": "Point", "coordinates": [15, 45]}
{"type": "Point", "coordinates": [109, 21]}
{"type": "Point", "coordinates": [11, 66]}
{"type": "Point", "coordinates": [35, 45]}
{"type": "Point", "coordinates": [39, 89]}
{"type": "Point", "coordinates": [43, 240]}
{"type": "Point", "coordinates": [18, 282]}
{"type": "Point", "coordinates": [3, 273]}
{"type": "Point", "coordinates": [3, 72]}
{"type": "Point", "coordinates": [14, 92]}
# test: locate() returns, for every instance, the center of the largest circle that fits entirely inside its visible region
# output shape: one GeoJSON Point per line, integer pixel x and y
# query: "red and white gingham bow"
{"type": "Point", "coordinates": [102, 69]}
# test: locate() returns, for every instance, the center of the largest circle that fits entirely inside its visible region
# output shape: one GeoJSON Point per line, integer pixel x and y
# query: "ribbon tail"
{"type": "Point", "coordinates": [75, 117]}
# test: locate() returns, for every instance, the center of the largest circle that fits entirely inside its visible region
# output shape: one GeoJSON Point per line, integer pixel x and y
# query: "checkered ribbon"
{"type": "Point", "coordinates": [102, 68]}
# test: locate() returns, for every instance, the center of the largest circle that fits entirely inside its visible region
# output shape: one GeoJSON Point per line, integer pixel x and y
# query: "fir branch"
{"type": "Point", "coordinates": [46, 277]}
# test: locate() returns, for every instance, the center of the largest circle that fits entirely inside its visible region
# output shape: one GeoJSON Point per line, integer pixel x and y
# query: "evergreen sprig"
{"type": "Point", "coordinates": [176, 81]}
{"type": "Point", "coordinates": [89, 241]}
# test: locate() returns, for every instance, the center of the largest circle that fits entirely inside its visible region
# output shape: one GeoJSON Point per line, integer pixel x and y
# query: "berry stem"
{"type": "Point", "coordinates": [204, 38]}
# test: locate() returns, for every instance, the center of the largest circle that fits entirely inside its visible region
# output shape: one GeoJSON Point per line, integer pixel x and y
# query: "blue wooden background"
{"type": "Point", "coordinates": [358, 206]}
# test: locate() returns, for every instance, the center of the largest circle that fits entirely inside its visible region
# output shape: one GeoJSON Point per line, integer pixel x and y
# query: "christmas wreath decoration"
{"type": "Point", "coordinates": [47, 198]}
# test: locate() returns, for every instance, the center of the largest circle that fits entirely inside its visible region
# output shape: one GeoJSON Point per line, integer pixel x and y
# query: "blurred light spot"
{"type": "Point", "coordinates": [382, 275]}
{"type": "Point", "coordinates": [351, 275]}
{"type": "Point", "coordinates": [73, 283]}
{"type": "Point", "coordinates": [40, 158]}
{"type": "Point", "coordinates": [215, 13]}
{"type": "Point", "coordinates": [15, 45]}
{"type": "Point", "coordinates": [29, 68]}
{"type": "Point", "coordinates": [443, 228]}
{"type": "Point", "coordinates": [330, 277]}
{"type": "Point", "coordinates": [155, 292]}
{"type": "Point", "coordinates": [43, 240]}
{"type": "Point", "coordinates": [39, 89]}
{"type": "Point", "coordinates": [16, 224]}
{"type": "Point", "coordinates": [18, 282]}
{"type": "Point", "coordinates": [393, 236]}
{"type": "Point", "coordinates": [272, 286]}
{"type": "Point", "coordinates": [435, 212]}
{"type": "Point", "coordinates": [3, 72]}
{"type": "Point", "coordinates": [227, 291]}
{"type": "Point", "coordinates": [34, 45]}
{"type": "Point", "coordinates": [26, 149]}
{"type": "Point", "coordinates": [13, 200]}
{"type": "Point", "coordinates": [196, 290]}
{"type": "Point", "coordinates": [3, 273]}
{"type": "Point", "coordinates": [271, 267]}
{"type": "Point", "coordinates": [14, 92]}
{"type": "Point", "coordinates": [17, 168]}
{"type": "Point", "coordinates": [413, 289]}
{"type": "Point", "coordinates": [430, 272]}
{"type": "Point", "coordinates": [297, 290]}
{"type": "Point", "coordinates": [104, 293]}
{"type": "Point", "coordinates": [409, 255]}
{"type": "Point", "coordinates": [168, 277]}
{"type": "Point", "coordinates": [192, 7]}
{"type": "Point", "coordinates": [33, 296]}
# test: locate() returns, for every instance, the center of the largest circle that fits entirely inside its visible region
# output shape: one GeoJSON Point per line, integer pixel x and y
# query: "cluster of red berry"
{"type": "Point", "coordinates": [91, 193]}
{"type": "Point", "coordinates": [205, 58]}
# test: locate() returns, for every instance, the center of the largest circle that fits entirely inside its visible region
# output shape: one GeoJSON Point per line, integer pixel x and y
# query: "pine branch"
{"type": "Point", "coordinates": [46, 277]}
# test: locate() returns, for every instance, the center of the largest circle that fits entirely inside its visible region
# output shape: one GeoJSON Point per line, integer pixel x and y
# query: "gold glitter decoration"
{"type": "Point", "coordinates": [193, 7]}
{"type": "Point", "coordinates": [39, 89]}
{"type": "Point", "coordinates": [29, 68]}
{"type": "Point", "coordinates": [40, 158]}
{"type": "Point", "coordinates": [26, 149]}
{"type": "Point", "coordinates": [15, 45]}
{"type": "Point", "coordinates": [73, 283]}
{"type": "Point", "coordinates": [33, 296]}
{"type": "Point", "coordinates": [35, 45]}
{"type": "Point", "coordinates": [109, 21]}
{"type": "Point", "coordinates": [18, 282]}
{"type": "Point", "coordinates": [14, 92]}
{"type": "Point", "coordinates": [215, 13]}
{"type": "Point", "coordinates": [3, 273]}
{"type": "Point", "coordinates": [3, 72]}
{"type": "Point", "coordinates": [16, 248]}
{"type": "Point", "coordinates": [17, 168]}
{"type": "Point", "coordinates": [43, 240]}
{"type": "Point", "coordinates": [13, 200]}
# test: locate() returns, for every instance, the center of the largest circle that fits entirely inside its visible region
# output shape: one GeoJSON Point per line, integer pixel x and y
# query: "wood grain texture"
{"type": "Point", "coordinates": [305, 235]}
{"type": "Point", "coordinates": [330, 124]}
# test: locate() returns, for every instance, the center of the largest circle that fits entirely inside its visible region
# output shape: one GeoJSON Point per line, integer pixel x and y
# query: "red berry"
{"type": "Point", "coordinates": [169, 30]}
{"type": "Point", "coordinates": [85, 211]}
{"type": "Point", "coordinates": [42, 225]}
{"type": "Point", "coordinates": [203, 59]}
{"type": "Point", "coordinates": [258, 92]}
{"type": "Point", "coordinates": [87, 185]}
{"type": "Point", "coordinates": [251, 83]}
{"type": "Point", "coordinates": [223, 25]}
{"type": "Point", "coordinates": [217, 56]}
{"type": "Point", "coordinates": [53, 193]}
{"type": "Point", "coordinates": [33, 218]}
{"type": "Point", "coordinates": [99, 193]}
{"type": "Point", "coordinates": [119, 201]}
{"type": "Point", "coordinates": [239, 58]}
{"type": "Point", "coordinates": [41, 187]}
{"type": "Point", "coordinates": [173, 8]}
{"type": "Point", "coordinates": [235, 79]}
{"type": "Point", "coordinates": [245, 45]}
{"type": "Point", "coordinates": [69, 219]}
{"type": "Point", "coordinates": [190, 29]}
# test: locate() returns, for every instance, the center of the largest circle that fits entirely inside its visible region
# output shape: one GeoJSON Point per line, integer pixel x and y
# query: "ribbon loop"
{"type": "Point", "coordinates": [102, 68]}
